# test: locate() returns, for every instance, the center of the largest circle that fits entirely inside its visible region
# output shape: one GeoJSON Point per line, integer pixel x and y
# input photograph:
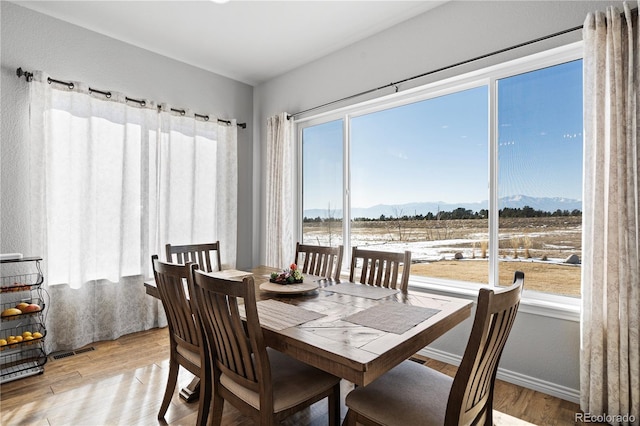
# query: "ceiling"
{"type": "Point", "coordinates": [248, 41]}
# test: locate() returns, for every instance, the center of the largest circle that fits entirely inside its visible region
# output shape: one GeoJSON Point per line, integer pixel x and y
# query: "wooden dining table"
{"type": "Point", "coordinates": [354, 331]}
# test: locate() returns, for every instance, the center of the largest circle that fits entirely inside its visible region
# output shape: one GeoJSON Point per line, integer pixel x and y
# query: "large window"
{"type": "Point", "coordinates": [478, 177]}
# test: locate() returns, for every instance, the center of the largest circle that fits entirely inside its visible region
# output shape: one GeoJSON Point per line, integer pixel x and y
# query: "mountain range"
{"type": "Point", "coordinates": [548, 204]}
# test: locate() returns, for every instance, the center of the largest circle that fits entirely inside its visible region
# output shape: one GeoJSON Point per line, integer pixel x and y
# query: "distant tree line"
{"type": "Point", "coordinates": [460, 213]}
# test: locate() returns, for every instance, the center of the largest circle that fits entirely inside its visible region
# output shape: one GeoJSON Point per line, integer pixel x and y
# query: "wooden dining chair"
{"type": "Point", "coordinates": [185, 339]}
{"type": "Point", "coordinates": [260, 382]}
{"type": "Point", "coordinates": [201, 254]}
{"type": "Point", "coordinates": [412, 394]}
{"type": "Point", "coordinates": [381, 268]}
{"type": "Point", "coordinates": [323, 261]}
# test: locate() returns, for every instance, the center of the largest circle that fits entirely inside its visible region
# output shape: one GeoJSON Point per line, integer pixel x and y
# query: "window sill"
{"type": "Point", "coordinates": [548, 305]}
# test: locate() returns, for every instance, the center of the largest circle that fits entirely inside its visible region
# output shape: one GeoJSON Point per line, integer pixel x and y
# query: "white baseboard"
{"type": "Point", "coordinates": [549, 388]}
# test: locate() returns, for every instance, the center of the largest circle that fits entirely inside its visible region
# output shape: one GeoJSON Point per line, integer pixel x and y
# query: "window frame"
{"type": "Point", "coordinates": [548, 304]}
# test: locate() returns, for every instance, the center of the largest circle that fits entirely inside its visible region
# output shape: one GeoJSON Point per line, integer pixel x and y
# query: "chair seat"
{"type": "Point", "coordinates": [293, 382]}
{"type": "Point", "coordinates": [193, 357]}
{"type": "Point", "coordinates": [409, 394]}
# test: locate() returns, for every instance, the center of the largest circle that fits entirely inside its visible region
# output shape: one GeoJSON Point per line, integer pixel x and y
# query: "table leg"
{"type": "Point", "coordinates": [191, 392]}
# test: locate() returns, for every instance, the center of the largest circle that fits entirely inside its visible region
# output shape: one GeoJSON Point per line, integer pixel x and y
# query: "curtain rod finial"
{"type": "Point", "coordinates": [28, 76]}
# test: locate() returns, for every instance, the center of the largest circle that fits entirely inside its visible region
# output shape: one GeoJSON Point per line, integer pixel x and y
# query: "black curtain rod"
{"type": "Point", "coordinates": [28, 76]}
{"type": "Point", "coordinates": [477, 58]}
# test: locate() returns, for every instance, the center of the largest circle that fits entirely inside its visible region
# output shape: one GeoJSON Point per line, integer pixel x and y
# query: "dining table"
{"type": "Point", "coordinates": [354, 331]}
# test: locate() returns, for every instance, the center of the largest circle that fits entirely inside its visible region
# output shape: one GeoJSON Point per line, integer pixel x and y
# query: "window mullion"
{"type": "Point", "coordinates": [493, 182]}
{"type": "Point", "coordinates": [300, 186]}
{"type": "Point", "coordinates": [346, 203]}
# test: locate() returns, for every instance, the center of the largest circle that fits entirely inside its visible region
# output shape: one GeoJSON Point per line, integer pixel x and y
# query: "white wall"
{"type": "Point", "coordinates": [542, 350]}
{"type": "Point", "coordinates": [38, 42]}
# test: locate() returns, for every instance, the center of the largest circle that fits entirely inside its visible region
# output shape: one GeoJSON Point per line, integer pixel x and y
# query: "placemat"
{"type": "Point", "coordinates": [361, 290]}
{"type": "Point", "coordinates": [278, 315]}
{"type": "Point", "coordinates": [392, 317]}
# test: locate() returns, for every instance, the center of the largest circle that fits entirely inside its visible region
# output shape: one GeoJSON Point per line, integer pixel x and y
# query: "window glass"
{"type": "Point", "coordinates": [419, 176]}
{"type": "Point", "coordinates": [322, 183]}
{"type": "Point", "coordinates": [540, 178]}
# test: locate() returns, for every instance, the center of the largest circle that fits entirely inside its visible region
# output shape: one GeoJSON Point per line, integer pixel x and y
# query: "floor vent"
{"type": "Point", "coordinates": [71, 353]}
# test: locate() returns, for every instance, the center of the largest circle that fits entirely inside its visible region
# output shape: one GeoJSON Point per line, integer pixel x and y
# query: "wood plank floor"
{"type": "Point", "coordinates": [121, 382]}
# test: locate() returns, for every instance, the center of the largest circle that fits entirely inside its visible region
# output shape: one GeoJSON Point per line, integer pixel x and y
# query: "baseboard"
{"type": "Point", "coordinates": [549, 388]}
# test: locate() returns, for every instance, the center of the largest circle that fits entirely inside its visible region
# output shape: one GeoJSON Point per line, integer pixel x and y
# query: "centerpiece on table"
{"type": "Point", "coordinates": [287, 276]}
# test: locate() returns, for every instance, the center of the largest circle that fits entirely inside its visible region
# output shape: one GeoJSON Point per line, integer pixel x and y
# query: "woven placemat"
{"type": "Point", "coordinates": [361, 290]}
{"type": "Point", "coordinates": [392, 317]}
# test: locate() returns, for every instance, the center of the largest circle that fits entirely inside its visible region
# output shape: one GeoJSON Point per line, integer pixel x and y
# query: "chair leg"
{"type": "Point", "coordinates": [216, 410]}
{"type": "Point", "coordinates": [334, 406]}
{"type": "Point", "coordinates": [350, 418]}
{"type": "Point", "coordinates": [204, 401]}
{"type": "Point", "coordinates": [171, 387]}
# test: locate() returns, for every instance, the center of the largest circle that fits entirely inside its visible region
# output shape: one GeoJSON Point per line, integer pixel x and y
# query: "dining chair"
{"type": "Point", "coordinates": [185, 338]}
{"type": "Point", "coordinates": [322, 261]}
{"type": "Point", "coordinates": [412, 394]}
{"type": "Point", "coordinates": [381, 268]}
{"type": "Point", "coordinates": [202, 254]}
{"type": "Point", "coordinates": [260, 382]}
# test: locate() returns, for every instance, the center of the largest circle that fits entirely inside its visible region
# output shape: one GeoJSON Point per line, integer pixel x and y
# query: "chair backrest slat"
{"type": "Point", "coordinates": [381, 269]}
{"type": "Point", "coordinates": [240, 351]}
{"type": "Point", "coordinates": [323, 261]}
{"type": "Point", "coordinates": [171, 282]}
{"type": "Point", "coordinates": [200, 254]}
{"type": "Point", "coordinates": [472, 390]}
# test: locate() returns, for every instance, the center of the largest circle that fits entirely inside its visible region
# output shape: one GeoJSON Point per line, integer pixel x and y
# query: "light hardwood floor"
{"type": "Point", "coordinates": [121, 382]}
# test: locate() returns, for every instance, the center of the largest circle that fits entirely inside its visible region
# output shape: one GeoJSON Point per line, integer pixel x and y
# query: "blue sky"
{"type": "Point", "coordinates": [437, 149]}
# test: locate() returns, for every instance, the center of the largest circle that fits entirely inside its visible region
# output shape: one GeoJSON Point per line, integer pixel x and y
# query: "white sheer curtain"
{"type": "Point", "coordinates": [280, 192]}
{"type": "Point", "coordinates": [610, 360]}
{"type": "Point", "coordinates": [197, 179]}
{"type": "Point", "coordinates": [107, 191]}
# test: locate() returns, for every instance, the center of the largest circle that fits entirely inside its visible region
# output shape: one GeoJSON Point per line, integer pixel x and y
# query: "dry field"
{"type": "Point", "coordinates": [545, 277]}
{"type": "Point", "coordinates": [536, 246]}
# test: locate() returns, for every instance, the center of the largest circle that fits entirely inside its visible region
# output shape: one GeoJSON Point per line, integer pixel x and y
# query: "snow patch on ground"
{"type": "Point", "coordinates": [432, 251]}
